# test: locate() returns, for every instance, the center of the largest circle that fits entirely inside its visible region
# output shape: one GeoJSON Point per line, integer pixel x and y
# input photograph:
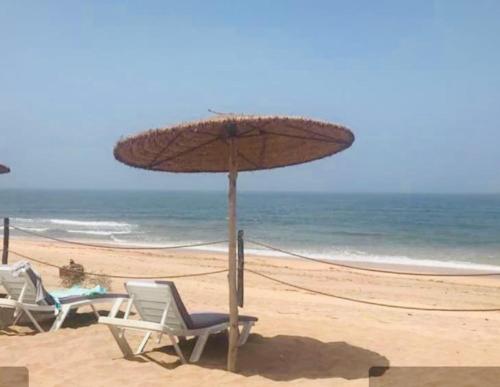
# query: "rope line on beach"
{"type": "Point", "coordinates": [116, 275]}
{"type": "Point", "coordinates": [117, 247]}
{"type": "Point", "coordinates": [373, 303]}
{"type": "Point", "coordinates": [261, 244]}
{"type": "Point", "coordinates": [351, 299]}
{"type": "Point", "coordinates": [346, 266]}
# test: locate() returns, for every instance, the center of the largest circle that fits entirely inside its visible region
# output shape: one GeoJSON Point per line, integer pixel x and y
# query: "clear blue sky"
{"type": "Point", "coordinates": [417, 81]}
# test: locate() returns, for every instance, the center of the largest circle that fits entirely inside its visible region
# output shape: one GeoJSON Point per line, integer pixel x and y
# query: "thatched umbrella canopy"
{"type": "Point", "coordinates": [232, 143]}
{"type": "Point", "coordinates": [263, 143]}
{"type": "Point", "coordinates": [4, 169]}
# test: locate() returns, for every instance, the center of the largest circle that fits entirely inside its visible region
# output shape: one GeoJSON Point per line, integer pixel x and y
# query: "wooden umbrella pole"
{"type": "Point", "coordinates": [233, 299]}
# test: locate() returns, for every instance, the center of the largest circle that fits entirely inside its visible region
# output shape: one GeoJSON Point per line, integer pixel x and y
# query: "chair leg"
{"type": "Point", "coordinates": [113, 312]}
{"type": "Point", "coordinates": [245, 332]}
{"type": "Point", "coordinates": [121, 341]}
{"type": "Point", "coordinates": [199, 346]}
{"type": "Point", "coordinates": [60, 318]}
{"type": "Point", "coordinates": [143, 343]}
{"type": "Point", "coordinates": [177, 349]}
{"type": "Point", "coordinates": [95, 311]}
{"type": "Point", "coordinates": [115, 308]}
{"type": "Point", "coordinates": [33, 320]}
{"type": "Point", "coordinates": [18, 313]}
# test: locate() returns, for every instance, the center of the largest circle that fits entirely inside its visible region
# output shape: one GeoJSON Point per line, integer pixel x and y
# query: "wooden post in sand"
{"type": "Point", "coordinates": [5, 253]}
{"type": "Point", "coordinates": [233, 297]}
{"type": "Point", "coordinates": [241, 268]}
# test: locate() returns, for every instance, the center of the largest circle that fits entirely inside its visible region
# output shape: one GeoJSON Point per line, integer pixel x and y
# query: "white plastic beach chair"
{"type": "Point", "coordinates": [21, 296]}
{"type": "Point", "coordinates": [161, 310]}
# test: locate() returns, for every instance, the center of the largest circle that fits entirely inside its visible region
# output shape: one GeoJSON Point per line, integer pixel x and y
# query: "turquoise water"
{"type": "Point", "coordinates": [449, 230]}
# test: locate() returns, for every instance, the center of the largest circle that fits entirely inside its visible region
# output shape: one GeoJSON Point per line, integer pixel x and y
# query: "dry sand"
{"type": "Point", "coordinates": [301, 338]}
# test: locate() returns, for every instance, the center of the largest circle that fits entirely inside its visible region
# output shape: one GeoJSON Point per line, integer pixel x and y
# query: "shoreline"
{"type": "Point", "coordinates": [413, 265]}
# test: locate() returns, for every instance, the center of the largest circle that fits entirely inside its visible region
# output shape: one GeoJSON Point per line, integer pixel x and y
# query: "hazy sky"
{"type": "Point", "coordinates": [417, 82]}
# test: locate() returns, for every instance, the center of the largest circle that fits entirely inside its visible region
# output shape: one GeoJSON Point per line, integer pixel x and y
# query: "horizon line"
{"type": "Point", "coordinates": [247, 191]}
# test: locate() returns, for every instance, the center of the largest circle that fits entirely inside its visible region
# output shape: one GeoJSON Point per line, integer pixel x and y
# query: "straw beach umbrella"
{"type": "Point", "coordinates": [233, 143]}
{"type": "Point", "coordinates": [4, 169]}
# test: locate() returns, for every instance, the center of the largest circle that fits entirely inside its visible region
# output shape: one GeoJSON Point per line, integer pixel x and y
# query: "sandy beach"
{"type": "Point", "coordinates": [301, 337]}
{"type": "Point", "coordinates": [352, 147]}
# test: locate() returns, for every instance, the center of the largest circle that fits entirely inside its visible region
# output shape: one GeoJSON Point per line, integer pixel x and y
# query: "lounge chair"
{"type": "Point", "coordinates": [21, 297]}
{"type": "Point", "coordinates": [161, 310]}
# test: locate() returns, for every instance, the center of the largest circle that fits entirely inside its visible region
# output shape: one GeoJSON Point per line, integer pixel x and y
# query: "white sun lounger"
{"type": "Point", "coordinates": [21, 296]}
{"type": "Point", "coordinates": [162, 311]}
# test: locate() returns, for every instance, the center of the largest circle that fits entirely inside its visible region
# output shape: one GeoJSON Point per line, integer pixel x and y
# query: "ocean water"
{"type": "Point", "coordinates": [433, 230]}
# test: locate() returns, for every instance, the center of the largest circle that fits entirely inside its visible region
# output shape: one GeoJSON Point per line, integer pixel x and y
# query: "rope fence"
{"type": "Point", "coordinates": [259, 274]}
{"type": "Point", "coordinates": [260, 244]}
{"type": "Point", "coordinates": [117, 247]}
{"type": "Point", "coordinates": [270, 278]}
{"type": "Point", "coordinates": [368, 269]}
{"type": "Point", "coordinates": [125, 276]}
{"type": "Point", "coordinates": [366, 302]}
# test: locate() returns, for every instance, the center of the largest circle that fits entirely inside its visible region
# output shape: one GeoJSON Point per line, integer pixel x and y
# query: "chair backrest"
{"type": "Point", "coordinates": [159, 302]}
{"type": "Point", "coordinates": [15, 285]}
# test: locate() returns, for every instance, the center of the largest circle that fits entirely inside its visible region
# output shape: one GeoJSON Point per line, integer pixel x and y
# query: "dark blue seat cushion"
{"type": "Point", "coordinates": [199, 320]}
{"type": "Point", "coordinates": [204, 320]}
